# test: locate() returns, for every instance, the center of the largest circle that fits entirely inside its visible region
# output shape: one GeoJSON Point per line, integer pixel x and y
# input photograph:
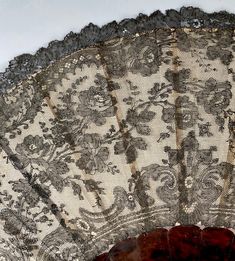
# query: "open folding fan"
{"type": "Point", "coordinates": [121, 133]}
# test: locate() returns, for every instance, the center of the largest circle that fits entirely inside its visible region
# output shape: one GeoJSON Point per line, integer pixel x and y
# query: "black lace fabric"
{"type": "Point", "coordinates": [186, 17]}
{"type": "Point", "coordinates": [116, 131]}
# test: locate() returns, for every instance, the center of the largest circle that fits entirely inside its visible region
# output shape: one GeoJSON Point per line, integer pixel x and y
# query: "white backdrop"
{"type": "Point", "coordinates": [26, 25]}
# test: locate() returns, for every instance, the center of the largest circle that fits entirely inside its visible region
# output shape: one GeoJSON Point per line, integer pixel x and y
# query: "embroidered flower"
{"type": "Point", "coordinates": [31, 193]}
{"type": "Point", "coordinates": [115, 63]}
{"type": "Point", "coordinates": [14, 222]}
{"type": "Point", "coordinates": [215, 97]}
{"type": "Point", "coordinates": [178, 79]}
{"type": "Point", "coordinates": [32, 147]}
{"type": "Point", "coordinates": [93, 154]}
{"type": "Point", "coordinates": [96, 104]}
{"type": "Point", "coordinates": [145, 55]}
{"type": "Point", "coordinates": [217, 51]}
{"type": "Point", "coordinates": [185, 113]}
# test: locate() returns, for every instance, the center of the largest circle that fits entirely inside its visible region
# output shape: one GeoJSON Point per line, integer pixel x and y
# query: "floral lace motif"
{"type": "Point", "coordinates": [187, 17]}
{"type": "Point", "coordinates": [120, 137]}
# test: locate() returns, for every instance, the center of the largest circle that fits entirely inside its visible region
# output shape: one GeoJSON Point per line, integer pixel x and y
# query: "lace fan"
{"type": "Point", "coordinates": [119, 131]}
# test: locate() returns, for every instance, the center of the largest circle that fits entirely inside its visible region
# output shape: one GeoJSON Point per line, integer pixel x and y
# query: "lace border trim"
{"type": "Point", "coordinates": [26, 64]}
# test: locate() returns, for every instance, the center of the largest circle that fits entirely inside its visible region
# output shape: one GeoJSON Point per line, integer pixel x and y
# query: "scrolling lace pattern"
{"type": "Point", "coordinates": [118, 138]}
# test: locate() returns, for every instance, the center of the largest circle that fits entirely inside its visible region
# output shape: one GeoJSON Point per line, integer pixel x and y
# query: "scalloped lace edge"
{"type": "Point", "coordinates": [190, 17]}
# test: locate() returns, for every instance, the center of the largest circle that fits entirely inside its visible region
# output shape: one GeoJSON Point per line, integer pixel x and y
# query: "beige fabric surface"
{"type": "Point", "coordinates": [118, 139]}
